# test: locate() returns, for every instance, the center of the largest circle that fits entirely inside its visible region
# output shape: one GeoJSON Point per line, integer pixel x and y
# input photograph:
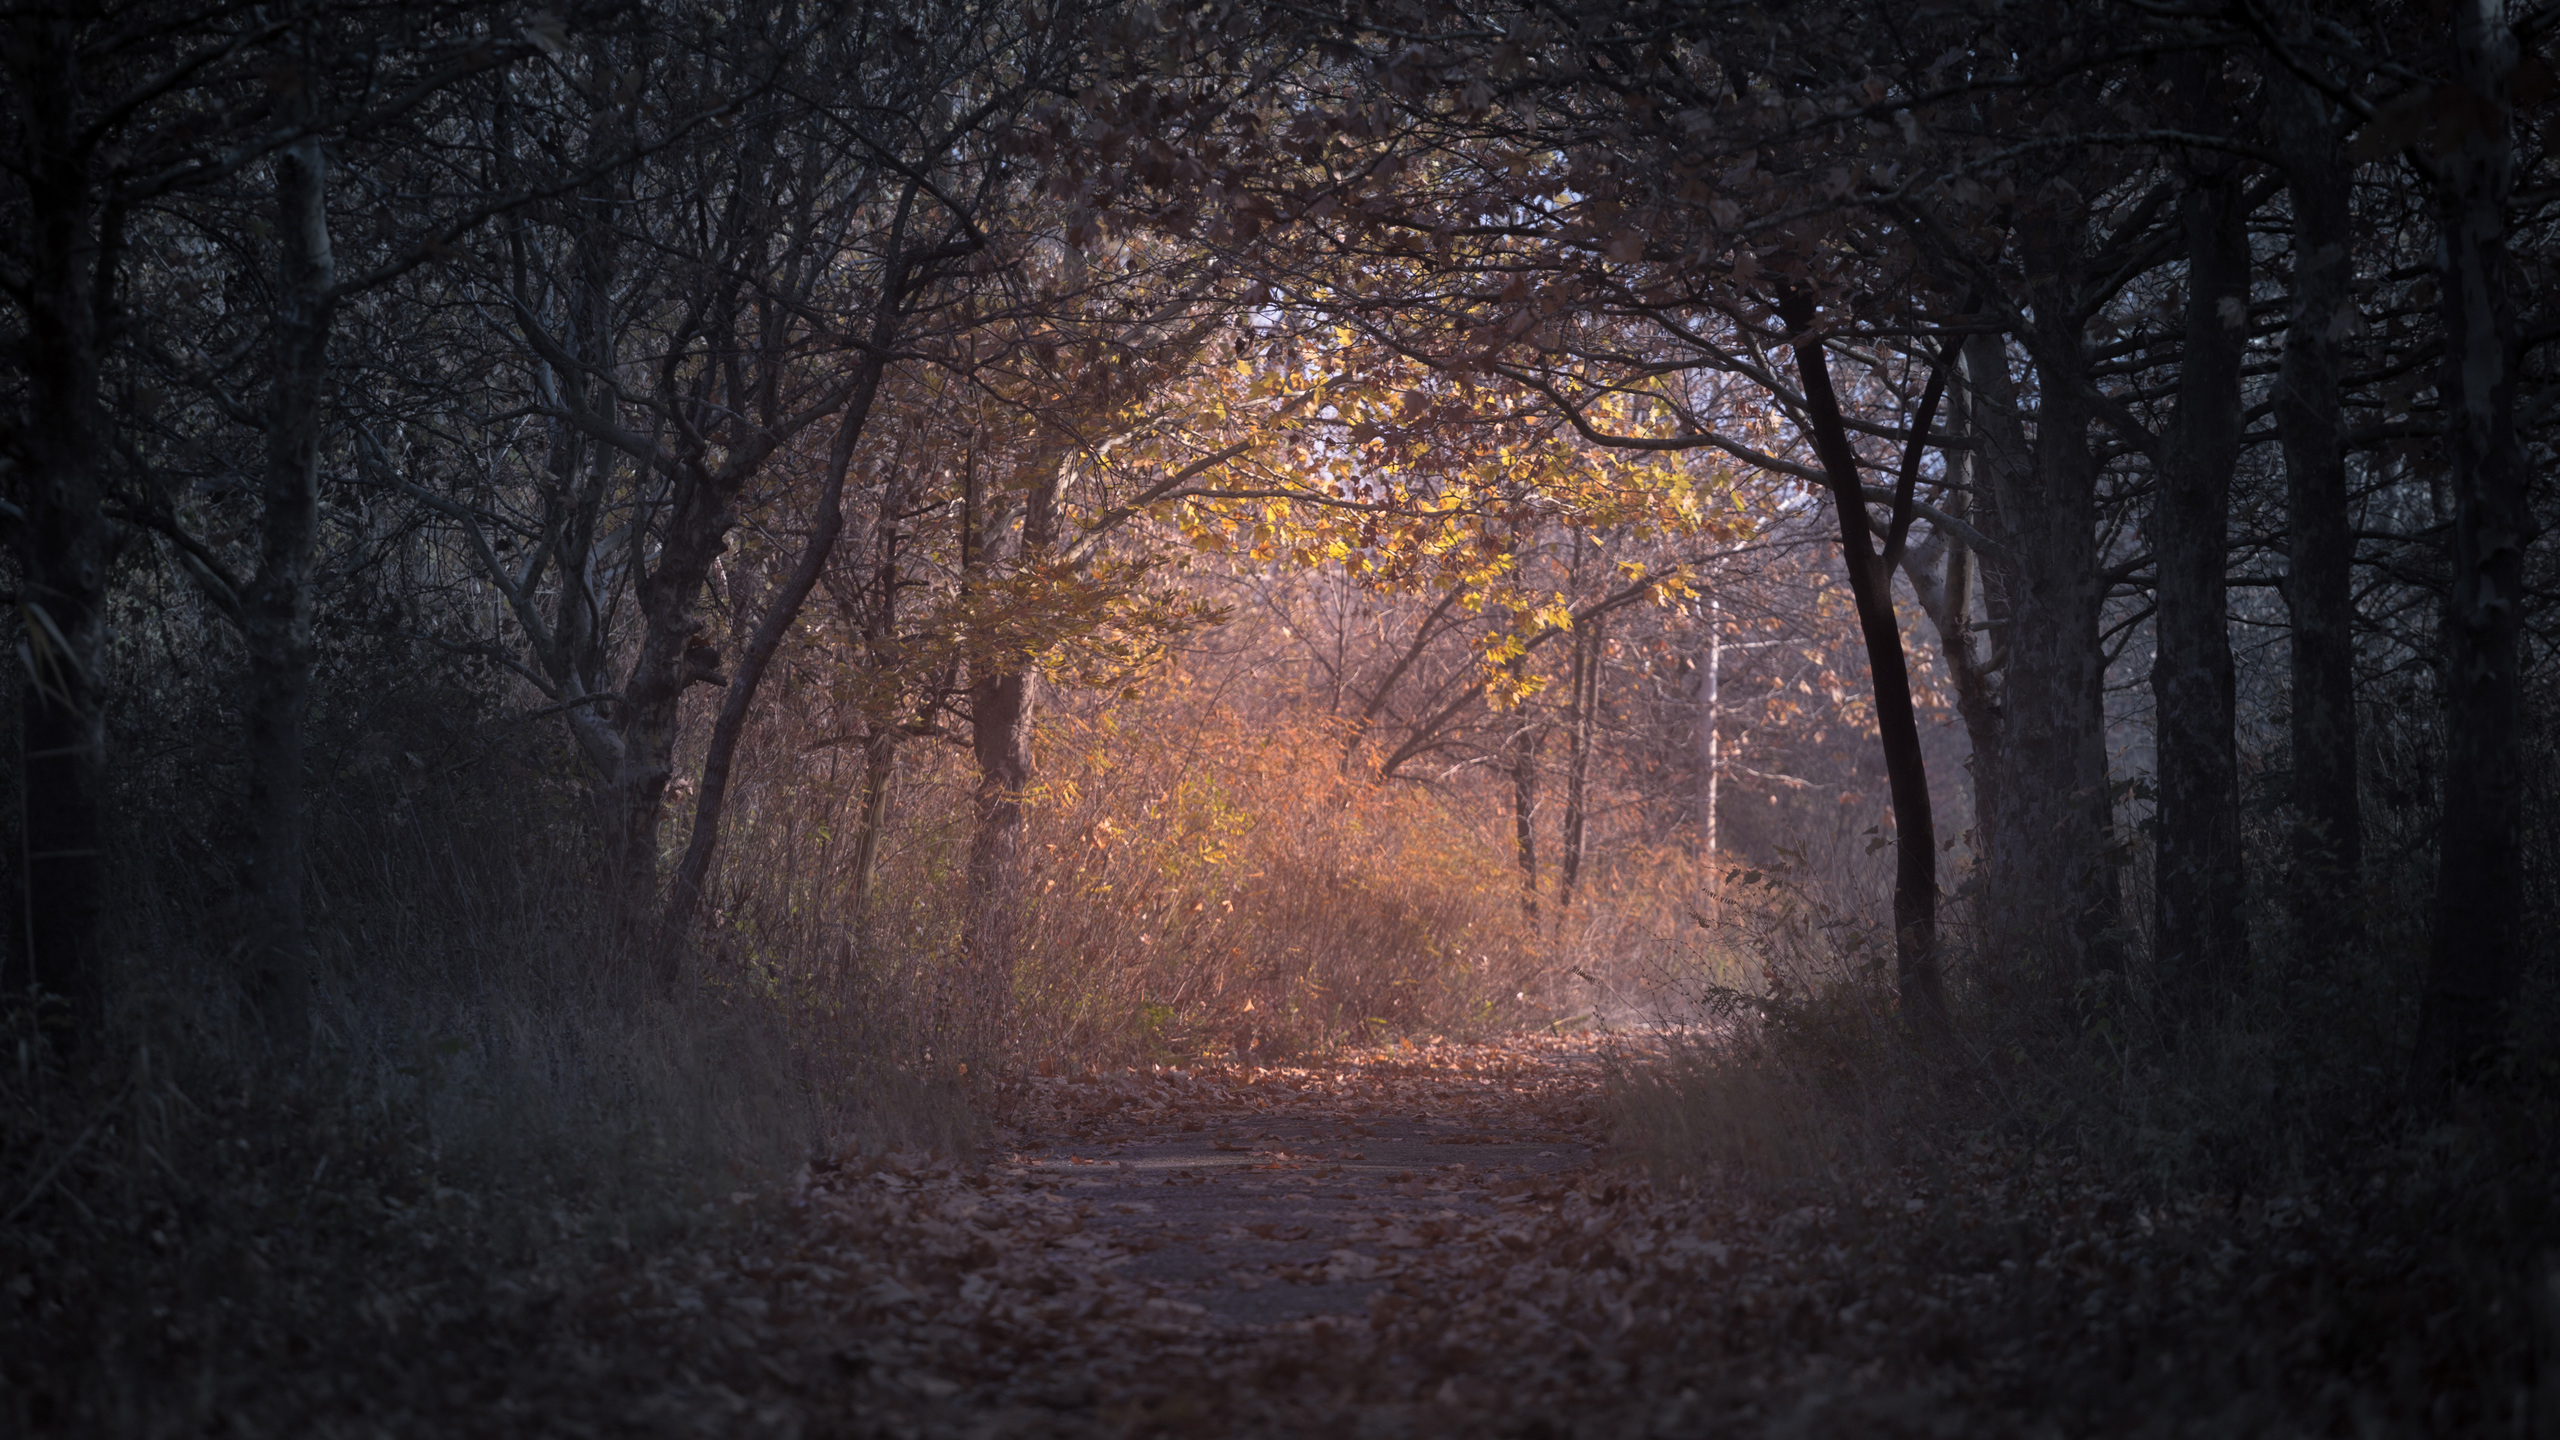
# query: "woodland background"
{"type": "Point", "coordinates": [608, 596]}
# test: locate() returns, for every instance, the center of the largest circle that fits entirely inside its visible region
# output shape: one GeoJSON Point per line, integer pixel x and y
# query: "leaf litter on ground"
{"type": "Point", "coordinates": [1430, 1239]}
{"type": "Point", "coordinates": [1422, 1239]}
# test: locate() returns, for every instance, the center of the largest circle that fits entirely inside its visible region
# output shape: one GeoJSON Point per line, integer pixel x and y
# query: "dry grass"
{"type": "Point", "coordinates": [1207, 883]}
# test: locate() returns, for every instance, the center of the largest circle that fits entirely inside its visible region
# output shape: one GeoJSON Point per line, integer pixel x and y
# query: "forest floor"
{"type": "Point", "coordinates": [1433, 1240]}
{"type": "Point", "coordinates": [1423, 1239]}
{"type": "Point", "coordinates": [1193, 1250]}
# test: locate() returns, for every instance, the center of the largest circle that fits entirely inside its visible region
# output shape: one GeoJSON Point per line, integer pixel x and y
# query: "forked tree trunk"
{"type": "Point", "coordinates": [672, 656]}
{"type": "Point", "coordinates": [1915, 869]}
{"type": "Point", "coordinates": [276, 612]}
{"type": "Point", "coordinates": [2200, 932]}
{"type": "Point", "coordinates": [2052, 901]}
{"type": "Point", "coordinates": [2473, 967]}
{"type": "Point", "coordinates": [2328, 821]}
{"type": "Point", "coordinates": [685, 897]}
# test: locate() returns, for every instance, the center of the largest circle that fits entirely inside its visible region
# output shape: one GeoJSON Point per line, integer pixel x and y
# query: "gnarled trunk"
{"type": "Point", "coordinates": [780, 614]}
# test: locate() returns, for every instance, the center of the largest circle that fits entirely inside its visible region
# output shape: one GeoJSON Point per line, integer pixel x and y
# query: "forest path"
{"type": "Point", "coordinates": [1419, 1241]}
{"type": "Point", "coordinates": [1414, 1240]}
{"type": "Point", "coordinates": [1276, 1198]}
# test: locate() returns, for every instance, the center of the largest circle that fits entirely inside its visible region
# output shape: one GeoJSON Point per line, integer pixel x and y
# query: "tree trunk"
{"type": "Point", "coordinates": [1589, 649]}
{"type": "Point", "coordinates": [879, 655]}
{"type": "Point", "coordinates": [779, 616]}
{"type": "Point", "coordinates": [1711, 740]}
{"type": "Point", "coordinates": [1942, 572]}
{"type": "Point", "coordinates": [1004, 693]}
{"type": "Point", "coordinates": [2200, 931]}
{"type": "Point", "coordinates": [63, 557]}
{"type": "Point", "coordinates": [2328, 822]}
{"type": "Point", "coordinates": [582, 470]}
{"type": "Point", "coordinates": [1941, 575]}
{"type": "Point", "coordinates": [1522, 761]}
{"type": "Point", "coordinates": [1000, 710]}
{"type": "Point", "coordinates": [879, 772]}
{"type": "Point", "coordinates": [1915, 870]}
{"type": "Point", "coordinates": [276, 612]}
{"type": "Point", "coordinates": [2051, 901]}
{"type": "Point", "coordinates": [2473, 966]}
{"type": "Point", "coordinates": [672, 657]}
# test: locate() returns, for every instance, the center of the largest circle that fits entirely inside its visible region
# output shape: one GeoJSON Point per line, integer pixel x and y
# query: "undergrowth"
{"type": "Point", "coordinates": [1201, 882]}
{"type": "Point", "coordinates": [199, 1234]}
{"type": "Point", "coordinates": [2307, 1249]}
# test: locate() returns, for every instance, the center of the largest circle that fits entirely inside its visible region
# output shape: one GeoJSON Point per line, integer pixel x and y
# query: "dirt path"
{"type": "Point", "coordinates": [1212, 1251]}
{"type": "Point", "coordinates": [1417, 1242]}
{"type": "Point", "coordinates": [1271, 1199]}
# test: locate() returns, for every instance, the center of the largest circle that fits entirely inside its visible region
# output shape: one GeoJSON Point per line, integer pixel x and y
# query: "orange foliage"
{"type": "Point", "coordinates": [1208, 881]}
